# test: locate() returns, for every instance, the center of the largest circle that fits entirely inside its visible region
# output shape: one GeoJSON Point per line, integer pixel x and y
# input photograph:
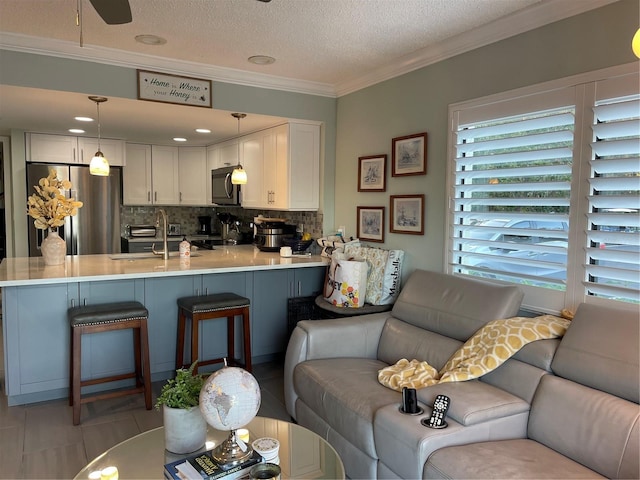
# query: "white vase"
{"type": "Point", "coordinates": [53, 248]}
{"type": "Point", "coordinates": [185, 430]}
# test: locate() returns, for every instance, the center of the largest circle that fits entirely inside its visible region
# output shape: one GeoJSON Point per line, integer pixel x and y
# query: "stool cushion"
{"type": "Point", "coordinates": [212, 303]}
{"type": "Point", "coordinates": [106, 313]}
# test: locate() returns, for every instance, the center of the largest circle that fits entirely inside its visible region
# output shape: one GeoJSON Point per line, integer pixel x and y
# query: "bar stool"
{"type": "Point", "coordinates": [209, 307]}
{"type": "Point", "coordinates": [104, 318]}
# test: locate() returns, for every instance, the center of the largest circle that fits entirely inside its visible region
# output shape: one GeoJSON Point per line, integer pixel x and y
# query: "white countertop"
{"type": "Point", "coordinates": [86, 268]}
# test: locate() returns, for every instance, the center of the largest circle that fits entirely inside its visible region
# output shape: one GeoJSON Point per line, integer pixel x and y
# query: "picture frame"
{"type": "Point", "coordinates": [372, 173]}
{"type": "Point", "coordinates": [371, 224]}
{"type": "Point", "coordinates": [407, 214]}
{"type": "Point", "coordinates": [409, 155]}
{"type": "Point", "coordinates": [176, 89]}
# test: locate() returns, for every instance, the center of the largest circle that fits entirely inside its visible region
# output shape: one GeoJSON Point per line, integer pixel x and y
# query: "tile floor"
{"type": "Point", "coordinates": [40, 441]}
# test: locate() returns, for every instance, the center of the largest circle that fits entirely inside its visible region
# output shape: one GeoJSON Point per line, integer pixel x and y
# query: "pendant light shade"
{"type": "Point", "coordinates": [239, 175]}
{"type": "Point", "coordinates": [99, 164]}
{"type": "Point", "coordinates": [635, 43]}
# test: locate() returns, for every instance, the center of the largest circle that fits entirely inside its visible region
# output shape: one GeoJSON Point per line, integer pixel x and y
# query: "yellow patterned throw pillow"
{"type": "Point", "coordinates": [485, 351]}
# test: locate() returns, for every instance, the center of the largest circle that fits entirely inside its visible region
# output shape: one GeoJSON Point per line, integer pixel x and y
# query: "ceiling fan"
{"type": "Point", "coordinates": [117, 12]}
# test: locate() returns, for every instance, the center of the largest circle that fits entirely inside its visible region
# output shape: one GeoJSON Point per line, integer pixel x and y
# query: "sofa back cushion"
{"type": "Point", "coordinates": [402, 340]}
{"type": "Point", "coordinates": [601, 350]}
{"type": "Point", "coordinates": [594, 428]}
{"type": "Point", "coordinates": [454, 306]}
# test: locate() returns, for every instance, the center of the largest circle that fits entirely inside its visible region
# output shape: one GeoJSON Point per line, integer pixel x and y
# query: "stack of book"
{"type": "Point", "coordinates": [202, 466]}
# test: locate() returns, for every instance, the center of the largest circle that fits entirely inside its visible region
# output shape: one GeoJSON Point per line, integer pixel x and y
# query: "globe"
{"type": "Point", "coordinates": [230, 398]}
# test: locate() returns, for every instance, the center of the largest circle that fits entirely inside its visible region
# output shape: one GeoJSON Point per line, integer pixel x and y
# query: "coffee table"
{"type": "Point", "coordinates": [303, 454]}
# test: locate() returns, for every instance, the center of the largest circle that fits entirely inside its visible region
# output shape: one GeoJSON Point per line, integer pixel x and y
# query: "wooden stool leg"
{"type": "Point", "coordinates": [146, 365]}
{"type": "Point", "coordinates": [180, 339]}
{"type": "Point", "coordinates": [137, 358]}
{"type": "Point", "coordinates": [246, 329]}
{"type": "Point", "coordinates": [231, 340]}
{"type": "Point", "coordinates": [76, 375]}
{"type": "Point", "coordinates": [195, 331]}
{"type": "Point", "coordinates": [71, 363]}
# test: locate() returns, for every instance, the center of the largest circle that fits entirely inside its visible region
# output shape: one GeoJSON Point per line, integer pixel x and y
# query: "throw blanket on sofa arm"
{"type": "Point", "coordinates": [485, 351]}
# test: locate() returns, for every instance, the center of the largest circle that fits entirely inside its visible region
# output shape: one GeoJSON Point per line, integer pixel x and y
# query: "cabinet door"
{"type": "Point", "coordinates": [160, 298]}
{"type": "Point", "coordinates": [113, 150]}
{"type": "Point", "coordinates": [164, 175]}
{"type": "Point", "coordinates": [213, 162]}
{"type": "Point", "coordinates": [304, 167]}
{"type": "Point", "coordinates": [306, 282]}
{"type": "Point", "coordinates": [278, 181]}
{"type": "Point", "coordinates": [52, 148]}
{"type": "Point", "coordinates": [269, 328]}
{"type": "Point", "coordinates": [36, 318]}
{"type": "Point", "coordinates": [192, 178]}
{"type": "Point", "coordinates": [251, 151]}
{"type": "Point", "coordinates": [228, 153]}
{"type": "Point", "coordinates": [136, 175]}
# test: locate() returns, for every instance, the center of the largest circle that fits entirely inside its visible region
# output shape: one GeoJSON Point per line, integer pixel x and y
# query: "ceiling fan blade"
{"type": "Point", "coordinates": [113, 12]}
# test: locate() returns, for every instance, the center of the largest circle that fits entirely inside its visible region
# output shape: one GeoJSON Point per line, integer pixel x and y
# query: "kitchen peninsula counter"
{"type": "Point", "coordinates": [35, 300]}
{"type": "Point", "coordinates": [86, 268]}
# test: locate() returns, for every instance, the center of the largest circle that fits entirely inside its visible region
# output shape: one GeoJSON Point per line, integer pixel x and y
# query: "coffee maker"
{"type": "Point", "coordinates": [205, 225]}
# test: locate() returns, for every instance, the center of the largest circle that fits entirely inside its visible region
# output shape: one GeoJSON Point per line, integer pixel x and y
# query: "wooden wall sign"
{"type": "Point", "coordinates": [162, 87]}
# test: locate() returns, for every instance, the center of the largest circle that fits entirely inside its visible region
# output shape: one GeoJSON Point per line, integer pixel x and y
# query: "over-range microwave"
{"type": "Point", "coordinates": [223, 192]}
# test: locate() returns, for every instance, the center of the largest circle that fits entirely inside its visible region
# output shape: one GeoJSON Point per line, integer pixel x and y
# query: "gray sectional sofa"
{"type": "Point", "coordinates": [557, 409]}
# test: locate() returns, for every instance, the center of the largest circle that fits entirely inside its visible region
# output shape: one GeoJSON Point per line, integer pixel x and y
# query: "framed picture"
{"type": "Point", "coordinates": [372, 173]}
{"type": "Point", "coordinates": [371, 224]}
{"type": "Point", "coordinates": [407, 214]}
{"type": "Point", "coordinates": [409, 155]}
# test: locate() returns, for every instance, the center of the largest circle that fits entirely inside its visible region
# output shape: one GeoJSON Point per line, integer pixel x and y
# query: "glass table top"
{"type": "Point", "coordinates": [303, 454]}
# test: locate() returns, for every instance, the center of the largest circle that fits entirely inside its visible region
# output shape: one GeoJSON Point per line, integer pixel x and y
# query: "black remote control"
{"type": "Point", "coordinates": [440, 408]}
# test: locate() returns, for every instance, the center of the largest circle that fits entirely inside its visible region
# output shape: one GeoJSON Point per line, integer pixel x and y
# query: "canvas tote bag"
{"type": "Point", "coordinates": [346, 284]}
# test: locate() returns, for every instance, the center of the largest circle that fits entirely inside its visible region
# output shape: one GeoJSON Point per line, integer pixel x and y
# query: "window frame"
{"type": "Point", "coordinates": [583, 89]}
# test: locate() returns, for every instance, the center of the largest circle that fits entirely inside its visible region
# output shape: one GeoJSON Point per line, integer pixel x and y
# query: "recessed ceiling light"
{"type": "Point", "coordinates": [203, 130]}
{"type": "Point", "coordinates": [261, 60]}
{"type": "Point", "coordinates": [179, 139]}
{"type": "Point", "coordinates": [76, 130]}
{"type": "Point", "coordinates": [150, 39]}
{"type": "Point", "coordinates": [83, 119]}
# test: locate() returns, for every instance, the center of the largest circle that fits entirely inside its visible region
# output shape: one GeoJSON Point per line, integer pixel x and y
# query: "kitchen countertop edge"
{"type": "Point", "coordinates": [21, 271]}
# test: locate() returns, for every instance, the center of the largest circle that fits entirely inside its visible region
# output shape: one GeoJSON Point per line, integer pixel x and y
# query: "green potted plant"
{"type": "Point", "coordinates": [185, 429]}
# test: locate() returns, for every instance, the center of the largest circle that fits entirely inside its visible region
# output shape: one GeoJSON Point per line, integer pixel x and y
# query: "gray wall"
{"type": "Point", "coordinates": [418, 102]}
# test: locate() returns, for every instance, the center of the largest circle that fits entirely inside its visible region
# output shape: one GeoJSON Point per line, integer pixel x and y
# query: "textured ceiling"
{"type": "Point", "coordinates": [324, 47]}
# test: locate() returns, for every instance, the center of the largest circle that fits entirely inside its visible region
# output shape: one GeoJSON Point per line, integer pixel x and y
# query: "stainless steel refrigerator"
{"type": "Point", "coordinates": [96, 227]}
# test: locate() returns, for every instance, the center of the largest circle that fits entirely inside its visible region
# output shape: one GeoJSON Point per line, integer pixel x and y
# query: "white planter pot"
{"type": "Point", "coordinates": [185, 430]}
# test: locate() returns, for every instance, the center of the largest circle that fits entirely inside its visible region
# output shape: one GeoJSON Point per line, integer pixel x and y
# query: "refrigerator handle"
{"type": "Point", "coordinates": [39, 237]}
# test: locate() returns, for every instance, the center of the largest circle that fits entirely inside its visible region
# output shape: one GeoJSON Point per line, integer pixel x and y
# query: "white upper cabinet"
{"type": "Point", "coordinates": [165, 175]}
{"type": "Point", "coordinates": [67, 149]}
{"type": "Point", "coordinates": [192, 175]}
{"type": "Point", "coordinates": [113, 150]}
{"type": "Point", "coordinates": [136, 177]}
{"type": "Point", "coordinates": [283, 168]}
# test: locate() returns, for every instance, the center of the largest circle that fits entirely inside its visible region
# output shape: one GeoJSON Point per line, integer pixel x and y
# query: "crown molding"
{"type": "Point", "coordinates": [527, 19]}
{"type": "Point", "coordinates": [542, 13]}
{"type": "Point", "coordinates": [120, 58]}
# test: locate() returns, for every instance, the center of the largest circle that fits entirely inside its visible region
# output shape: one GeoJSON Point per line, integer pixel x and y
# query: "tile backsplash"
{"type": "Point", "coordinates": [187, 217]}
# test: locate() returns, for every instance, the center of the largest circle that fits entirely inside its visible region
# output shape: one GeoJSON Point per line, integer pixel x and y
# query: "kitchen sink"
{"type": "Point", "coordinates": [144, 255]}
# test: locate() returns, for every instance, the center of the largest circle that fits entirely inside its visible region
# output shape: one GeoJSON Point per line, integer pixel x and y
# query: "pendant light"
{"type": "Point", "coordinates": [239, 176]}
{"type": "Point", "coordinates": [99, 164]}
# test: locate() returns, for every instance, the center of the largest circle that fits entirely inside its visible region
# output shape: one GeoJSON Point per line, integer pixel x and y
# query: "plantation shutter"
{"type": "Point", "coordinates": [510, 215]}
{"type": "Point", "coordinates": [613, 235]}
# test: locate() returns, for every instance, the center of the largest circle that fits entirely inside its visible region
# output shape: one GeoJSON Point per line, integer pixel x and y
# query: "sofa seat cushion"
{"type": "Point", "coordinates": [513, 459]}
{"type": "Point", "coordinates": [474, 402]}
{"type": "Point", "coordinates": [345, 393]}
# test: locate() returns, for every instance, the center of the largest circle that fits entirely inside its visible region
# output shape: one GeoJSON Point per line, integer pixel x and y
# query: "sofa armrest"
{"type": "Point", "coordinates": [341, 337]}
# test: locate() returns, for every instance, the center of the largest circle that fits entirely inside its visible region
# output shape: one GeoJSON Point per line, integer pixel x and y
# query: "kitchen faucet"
{"type": "Point", "coordinates": [165, 245]}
